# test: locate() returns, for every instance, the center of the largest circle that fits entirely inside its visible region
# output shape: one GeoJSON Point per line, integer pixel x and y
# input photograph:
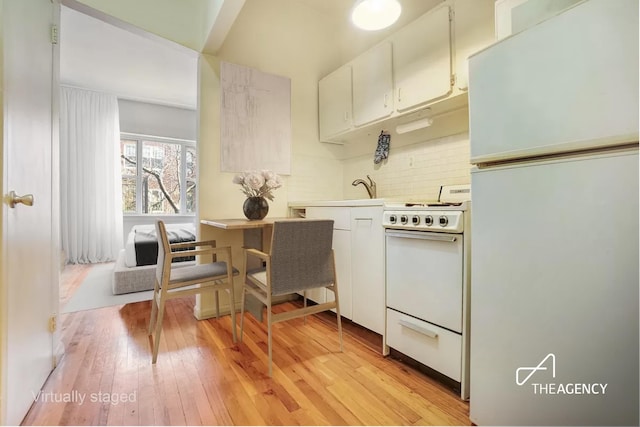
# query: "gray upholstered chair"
{"type": "Point", "coordinates": [301, 258]}
{"type": "Point", "coordinates": [190, 280]}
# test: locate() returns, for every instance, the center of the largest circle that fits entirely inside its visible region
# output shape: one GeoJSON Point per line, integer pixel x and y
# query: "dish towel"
{"type": "Point", "coordinates": [382, 151]}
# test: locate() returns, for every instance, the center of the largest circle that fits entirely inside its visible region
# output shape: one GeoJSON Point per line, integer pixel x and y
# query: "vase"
{"type": "Point", "coordinates": [255, 208]}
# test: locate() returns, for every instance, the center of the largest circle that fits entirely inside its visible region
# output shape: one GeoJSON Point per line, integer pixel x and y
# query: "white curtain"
{"type": "Point", "coordinates": [90, 177]}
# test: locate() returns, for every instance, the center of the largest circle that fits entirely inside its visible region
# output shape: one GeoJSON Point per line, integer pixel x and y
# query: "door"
{"type": "Point", "coordinates": [334, 93]}
{"type": "Point", "coordinates": [555, 271]}
{"type": "Point", "coordinates": [422, 60]}
{"type": "Point", "coordinates": [367, 267]}
{"type": "Point", "coordinates": [28, 279]}
{"type": "Point", "coordinates": [548, 90]}
{"type": "Point", "coordinates": [342, 255]}
{"type": "Point", "coordinates": [424, 276]}
{"type": "Point", "coordinates": [372, 85]}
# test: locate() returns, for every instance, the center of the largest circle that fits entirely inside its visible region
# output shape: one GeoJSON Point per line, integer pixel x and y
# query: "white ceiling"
{"type": "Point", "coordinates": [100, 56]}
{"type": "Point", "coordinates": [140, 66]}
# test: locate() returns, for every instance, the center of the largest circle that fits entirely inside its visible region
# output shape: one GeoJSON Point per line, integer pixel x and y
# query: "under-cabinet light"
{"type": "Point", "coordinates": [415, 125]}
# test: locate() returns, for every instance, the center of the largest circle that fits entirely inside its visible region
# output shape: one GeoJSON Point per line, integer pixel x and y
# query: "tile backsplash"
{"type": "Point", "coordinates": [413, 172]}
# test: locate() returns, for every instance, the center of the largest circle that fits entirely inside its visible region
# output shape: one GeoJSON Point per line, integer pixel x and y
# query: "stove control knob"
{"type": "Point", "coordinates": [428, 220]}
{"type": "Point", "coordinates": [404, 219]}
{"type": "Point", "coordinates": [444, 221]}
{"type": "Point", "coordinates": [393, 219]}
{"type": "Point", "coordinates": [415, 220]}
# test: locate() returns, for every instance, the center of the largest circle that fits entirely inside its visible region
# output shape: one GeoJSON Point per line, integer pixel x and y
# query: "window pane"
{"type": "Point", "coordinates": [129, 194]}
{"type": "Point", "coordinates": [191, 196]}
{"type": "Point", "coordinates": [161, 177]}
{"type": "Point", "coordinates": [160, 181]}
{"type": "Point", "coordinates": [191, 163]}
{"type": "Point", "coordinates": [128, 156]}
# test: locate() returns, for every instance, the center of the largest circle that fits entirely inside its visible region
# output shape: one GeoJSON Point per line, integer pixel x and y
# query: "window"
{"type": "Point", "coordinates": [164, 182]}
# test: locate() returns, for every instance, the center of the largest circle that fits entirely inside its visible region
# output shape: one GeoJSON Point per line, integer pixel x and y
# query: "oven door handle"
{"type": "Point", "coordinates": [418, 329]}
{"type": "Point", "coordinates": [422, 236]}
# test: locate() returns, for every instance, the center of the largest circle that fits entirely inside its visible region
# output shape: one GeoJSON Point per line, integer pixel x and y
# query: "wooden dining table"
{"type": "Point", "coordinates": [238, 233]}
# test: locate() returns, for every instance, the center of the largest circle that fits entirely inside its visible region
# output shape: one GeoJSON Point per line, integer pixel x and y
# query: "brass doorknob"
{"type": "Point", "coordinates": [14, 199]}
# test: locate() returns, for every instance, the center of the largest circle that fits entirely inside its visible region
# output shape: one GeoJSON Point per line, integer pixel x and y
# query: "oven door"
{"type": "Point", "coordinates": [424, 276]}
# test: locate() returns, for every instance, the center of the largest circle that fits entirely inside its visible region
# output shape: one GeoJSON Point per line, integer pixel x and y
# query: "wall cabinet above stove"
{"type": "Point", "coordinates": [421, 65]}
{"type": "Point", "coordinates": [422, 60]}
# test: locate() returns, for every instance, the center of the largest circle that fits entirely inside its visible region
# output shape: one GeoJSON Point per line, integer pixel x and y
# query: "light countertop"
{"type": "Point", "coordinates": [342, 203]}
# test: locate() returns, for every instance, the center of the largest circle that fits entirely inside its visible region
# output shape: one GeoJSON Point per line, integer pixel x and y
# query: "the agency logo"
{"type": "Point", "coordinates": [531, 374]}
{"type": "Point", "coordinates": [533, 369]}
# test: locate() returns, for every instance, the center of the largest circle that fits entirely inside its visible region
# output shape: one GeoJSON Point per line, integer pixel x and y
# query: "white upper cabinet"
{"type": "Point", "coordinates": [424, 64]}
{"type": "Point", "coordinates": [473, 31]}
{"type": "Point", "coordinates": [372, 85]}
{"type": "Point", "coordinates": [422, 60]}
{"type": "Point", "coordinates": [334, 92]}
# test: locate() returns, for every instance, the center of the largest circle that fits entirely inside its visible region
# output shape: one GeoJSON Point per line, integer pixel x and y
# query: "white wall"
{"type": "Point", "coordinates": [413, 172]}
{"type": "Point", "coordinates": [262, 38]}
{"type": "Point", "coordinates": [157, 120]}
{"type": "Point", "coordinates": [186, 22]}
{"type": "Point", "coordinates": [286, 38]}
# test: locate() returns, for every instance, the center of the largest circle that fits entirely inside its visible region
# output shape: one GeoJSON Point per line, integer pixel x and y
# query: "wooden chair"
{"type": "Point", "coordinates": [301, 258]}
{"type": "Point", "coordinates": [189, 280]}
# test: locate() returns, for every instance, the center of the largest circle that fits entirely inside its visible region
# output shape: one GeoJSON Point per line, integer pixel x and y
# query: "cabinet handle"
{"type": "Point", "coordinates": [418, 329]}
{"type": "Point", "coordinates": [363, 219]}
{"type": "Point", "coordinates": [399, 95]}
{"type": "Point", "coordinates": [346, 116]}
{"type": "Point", "coordinates": [385, 100]}
{"type": "Point", "coordinates": [421, 235]}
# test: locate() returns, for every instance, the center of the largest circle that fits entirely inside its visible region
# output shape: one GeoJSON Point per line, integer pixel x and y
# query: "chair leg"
{"type": "Point", "coordinates": [154, 312]}
{"type": "Point", "coordinates": [154, 306]}
{"type": "Point", "coordinates": [156, 338]}
{"type": "Point", "coordinates": [337, 298]}
{"type": "Point", "coordinates": [339, 326]}
{"type": "Point", "coordinates": [232, 308]}
{"type": "Point", "coordinates": [269, 338]}
{"type": "Point", "coordinates": [242, 300]}
{"type": "Point", "coordinates": [217, 305]}
{"type": "Point", "coordinates": [304, 299]}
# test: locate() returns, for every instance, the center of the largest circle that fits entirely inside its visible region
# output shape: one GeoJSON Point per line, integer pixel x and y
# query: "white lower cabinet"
{"type": "Point", "coordinates": [367, 267]}
{"type": "Point", "coordinates": [358, 244]}
{"type": "Point", "coordinates": [342, 252]}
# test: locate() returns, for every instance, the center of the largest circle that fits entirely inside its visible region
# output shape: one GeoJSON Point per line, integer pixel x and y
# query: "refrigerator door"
{"type": "Point", "coordinates": [566, 84]}
{"type": "Point", "coordinates": [555, 272]}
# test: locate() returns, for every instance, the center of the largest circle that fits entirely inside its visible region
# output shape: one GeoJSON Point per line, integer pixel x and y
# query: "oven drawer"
{"type": "Point", "coordinates": [430, 345]}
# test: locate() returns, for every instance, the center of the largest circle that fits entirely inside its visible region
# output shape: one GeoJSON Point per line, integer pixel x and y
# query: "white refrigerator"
{"type": "Point", "coordinates": [554, 240]}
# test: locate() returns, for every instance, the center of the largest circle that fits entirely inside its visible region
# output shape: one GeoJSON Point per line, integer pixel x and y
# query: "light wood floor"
{"type": "Point", "coordinates": [203, 378]}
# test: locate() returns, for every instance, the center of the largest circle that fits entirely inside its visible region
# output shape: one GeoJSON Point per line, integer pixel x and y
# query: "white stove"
{"type": "Point", "coordinates": [446, 215]}
{"type": "Point", "coordinates": [427, 282]}
{"type": "Point", "coordinates": [443, 219]}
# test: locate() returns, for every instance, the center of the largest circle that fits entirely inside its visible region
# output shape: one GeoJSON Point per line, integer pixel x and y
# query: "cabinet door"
{"type": "Point", "coordinates": [474, 30]}
{"type": "Point", "coordinates": [334, 99]}
{"type": "Point", "coordinates": [367, 267]}
{"type": "Point", "coordinates": [422, 60]}
{"type": "Point", "coordinates": [372, 85]}
{"type": "Point", "coordinates": [342, 248]}
{"type": "Point", "coordinates": [548, 90]}
{"type": "Point", "coordinates": [342, 253]}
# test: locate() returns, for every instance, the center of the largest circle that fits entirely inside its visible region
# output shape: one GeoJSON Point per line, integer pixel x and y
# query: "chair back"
{"type": "Point", "coordinates": [301, 255]}
{"type": "Point", "coordinates": [163, 249]}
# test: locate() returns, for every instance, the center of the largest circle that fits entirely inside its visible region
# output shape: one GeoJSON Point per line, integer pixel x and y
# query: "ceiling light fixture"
{"type": "Point", "coordinates": [374, 15]}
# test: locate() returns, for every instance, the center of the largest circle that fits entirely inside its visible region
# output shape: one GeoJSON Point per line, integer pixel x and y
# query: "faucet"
{"type": "Point", "coordinates": [371, 186]}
